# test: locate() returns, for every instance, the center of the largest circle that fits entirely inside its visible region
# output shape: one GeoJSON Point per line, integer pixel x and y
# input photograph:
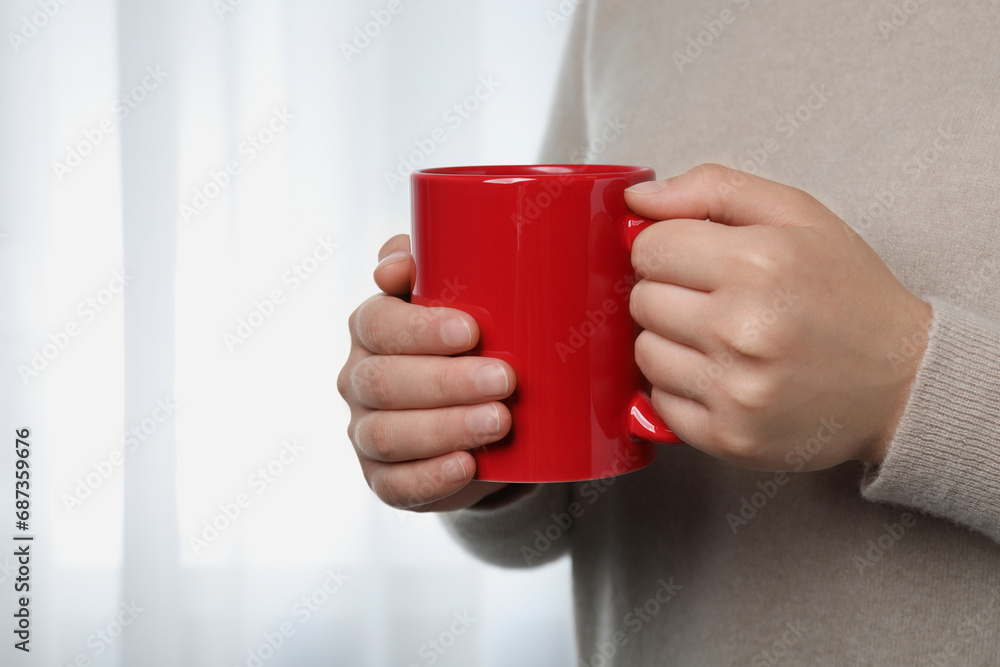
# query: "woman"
{"type": "Point", "coordinates": [839, 502]}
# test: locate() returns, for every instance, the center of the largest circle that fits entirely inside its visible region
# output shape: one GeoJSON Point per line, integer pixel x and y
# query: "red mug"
{"type": "Point", "coordinates": [540, 256]}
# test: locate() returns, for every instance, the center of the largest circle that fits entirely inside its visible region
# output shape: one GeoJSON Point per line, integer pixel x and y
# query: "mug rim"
{"type": "Point", "coordinates": [531, 171]}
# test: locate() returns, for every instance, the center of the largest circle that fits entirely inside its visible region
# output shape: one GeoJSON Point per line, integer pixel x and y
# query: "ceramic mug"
{"type": "Point", "coordinates": [540, 256]}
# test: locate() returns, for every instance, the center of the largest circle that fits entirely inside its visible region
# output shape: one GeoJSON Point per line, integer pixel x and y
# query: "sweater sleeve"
{"type": "Point", "coordinates": [521, 533]}
{"type": "Point", "coordinates": [944, 458]}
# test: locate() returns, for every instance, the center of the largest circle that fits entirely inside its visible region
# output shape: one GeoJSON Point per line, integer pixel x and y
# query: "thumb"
{"type": "Point", "coordinates": [728, 196]}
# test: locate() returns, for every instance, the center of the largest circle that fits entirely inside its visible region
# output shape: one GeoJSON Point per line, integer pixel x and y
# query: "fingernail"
{"type": "Point", "coordinates": [491, 380]}
{"type": "Point", "coordinates": [485, 420]}
{"type": "Point", "coordinates": [453, 470]}
{"type": "Point", "coordinates": [456, 333]}
{"type": "Point", "coordinates": [392, 257]}
{"type": "Point", "coordinates": [647, 187]}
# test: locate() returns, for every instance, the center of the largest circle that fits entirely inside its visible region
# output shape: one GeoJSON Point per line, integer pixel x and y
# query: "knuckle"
{"type": "Point", "coordinates": [443, 382]}
{"type": "Point", "coordinates": [344, 382]}
{"type": "Point", "coordinates": [373, 321]}
{"type": "Point", "coordinates": [801, 201]}
{"type": "Point", "coordinates": [751, 392]}
{"type": "Point", "coordinates": [375, 435]}
{"type": "Point", "coordinates": [428, 487]}
{"type": "Point", "coordinates": [382, 486]}
{"type": "Point", "coordinates": [718, 182]}
{"type": "Point", "coordinates": [374, 380]}
{"type": "Point", "coordinates": [745, 337]}
{"type": "Point", "coordinates": [352, 322]}
{"type": "Point", "coordinates": [714, 178]}
{"type": "Point", "coordinates": [406, 490]}
{"type": "Point", "coordinates": [647, 253]}
{"type": "Point", "coordinates": [769, 261]}
{"type": "Point", "coordinates": [761, 331]}
{"type": "Point", "coordinates": [365, 322]}
{"type": "Point", "coordinates": [710, 173]}
{"type": "Point", "coordinates": [398, 492]}
{"type": "Point", "coordinates": [352, 432]}
{"type": "Point", "coordinates": [448, 427]}
{"type": "Point", "coordinates": [740, 447]}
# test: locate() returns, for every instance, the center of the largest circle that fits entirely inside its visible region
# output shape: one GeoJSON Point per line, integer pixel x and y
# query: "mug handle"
{"type": "Point", "coordinates": [643, 422]}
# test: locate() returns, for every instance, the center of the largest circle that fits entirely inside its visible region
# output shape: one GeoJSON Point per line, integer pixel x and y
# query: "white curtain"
{"type": "Point", "coordinates": [192, 195]}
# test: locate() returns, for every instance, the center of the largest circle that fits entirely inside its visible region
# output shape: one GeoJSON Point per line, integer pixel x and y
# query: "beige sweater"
{"type": "Point", "coordinates": [889, 113]}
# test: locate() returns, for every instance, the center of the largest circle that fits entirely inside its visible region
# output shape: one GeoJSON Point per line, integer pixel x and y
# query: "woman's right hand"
{"type": "Point", "coordinates": [414, 409]}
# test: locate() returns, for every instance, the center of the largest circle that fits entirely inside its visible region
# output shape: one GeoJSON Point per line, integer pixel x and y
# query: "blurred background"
{"type": "Point", "coordinates": [192, 196]}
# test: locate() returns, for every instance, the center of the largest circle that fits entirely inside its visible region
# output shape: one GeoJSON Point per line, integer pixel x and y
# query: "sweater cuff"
{"type": "Point", "coordinates": [944, 458]}
{"type": "Point", "coordinates": [499, 535]}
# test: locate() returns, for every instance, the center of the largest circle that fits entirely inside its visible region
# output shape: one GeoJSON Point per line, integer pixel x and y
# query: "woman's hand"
{"type": "Point", "coordinates": [775, 337]}
{"type": "Point", "coordinates": [415, 410]}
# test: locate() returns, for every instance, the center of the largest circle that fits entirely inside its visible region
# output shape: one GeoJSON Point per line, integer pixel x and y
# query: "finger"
{"type": "Point", "coordinates": [723, 195]}
{"type": "Point", "coordinates": [675, 368]}
{"type": "Point", "coordinates": [344, 377]}
{"type": "Point", "coordinates": [405, 435]}
{"type": "Point", "coordinates": [388, 325]}
{"type": "Point", "coordinates": [689, 420]}
{"type": "Point", "coordinates": [677, 313]}
{"type": "Point", "coordinates": [402, 382]}
{"type": "Point", "coordinates": [692, 253]}
{"type": "Point", "coordinates": [395, 267]}
{"type": "Point", "coordinates": [417, 484]}
{"type": "Point", "coordinates": [708, 431]}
